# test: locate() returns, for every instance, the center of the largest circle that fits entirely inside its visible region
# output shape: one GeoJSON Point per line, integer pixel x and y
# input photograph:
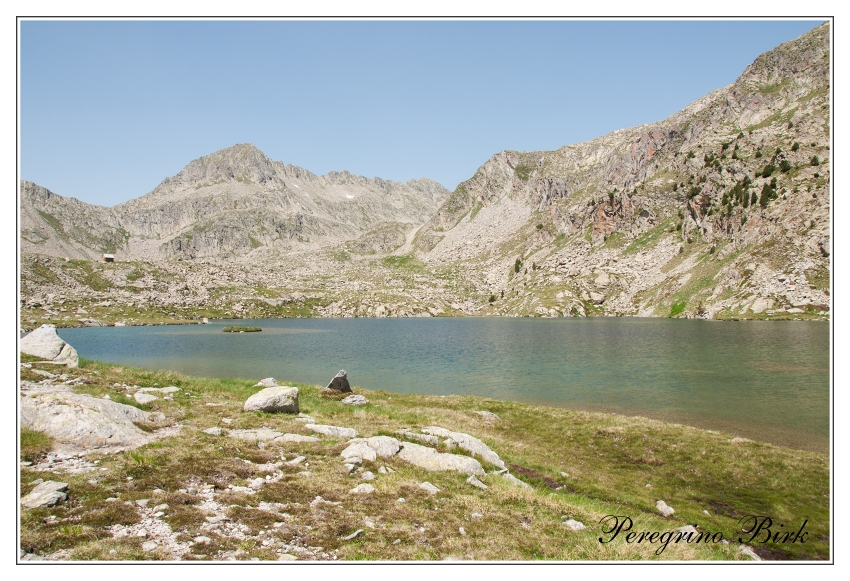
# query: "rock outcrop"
{"type": "Point", "coordinates": [46, 344]}
{"type": "Point", "coordinates": [340, 382]}
{"type": "Point", "coordinates": [79, 422]}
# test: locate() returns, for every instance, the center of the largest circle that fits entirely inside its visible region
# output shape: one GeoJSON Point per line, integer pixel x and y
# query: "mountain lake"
{"type": "Point", "coordinates": [764, 380]}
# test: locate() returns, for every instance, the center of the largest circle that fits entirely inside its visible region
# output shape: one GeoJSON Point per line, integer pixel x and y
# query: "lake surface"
{"type": "Point", "coordinates": [768, 381]}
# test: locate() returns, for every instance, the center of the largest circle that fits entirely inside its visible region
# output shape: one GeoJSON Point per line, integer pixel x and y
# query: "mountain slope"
{"type": "Point", "coordinates": [225, 205]}
{"type": "Point", "coordinates": [728, 181]}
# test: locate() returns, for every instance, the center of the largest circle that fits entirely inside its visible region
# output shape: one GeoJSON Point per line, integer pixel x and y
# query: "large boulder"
{"type": "Point", "coordinates": [46, 344]}
{"type": "Point", "coordinates": [81, 422]}
{"type": "Point", "coordinates": [273, 399]}
{"type": "Point", "coordinates": [340, 382]}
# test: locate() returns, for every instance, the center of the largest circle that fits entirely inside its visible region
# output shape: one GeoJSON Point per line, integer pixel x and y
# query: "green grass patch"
{"type": "Point", "coordinates": [650, 238]}
{"type": "Point", "coordinates": [34, 444]}
{"type": "Point", "coordinates": [677, 308]}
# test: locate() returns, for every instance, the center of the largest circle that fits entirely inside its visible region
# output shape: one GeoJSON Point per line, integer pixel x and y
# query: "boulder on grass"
{"type": "Point", "coordinates": [46, 494]}
{"type": "Point", "coordinates": [273, 399]}
{"type": "Point", "coordinates": [46, 344]}
{"type": "Point", "coordinates": [340, 382]}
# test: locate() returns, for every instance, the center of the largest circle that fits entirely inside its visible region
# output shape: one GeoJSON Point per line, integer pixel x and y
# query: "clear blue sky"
{"type": "Point", "coordinates": [110, 109]}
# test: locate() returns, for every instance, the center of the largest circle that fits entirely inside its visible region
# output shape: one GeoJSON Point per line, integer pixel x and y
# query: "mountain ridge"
{"type": "Point", "coordinates": [721, 210]}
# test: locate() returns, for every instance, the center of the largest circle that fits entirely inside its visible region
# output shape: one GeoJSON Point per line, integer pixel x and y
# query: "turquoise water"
{"type": "Point", "coordinates": [768, 381]}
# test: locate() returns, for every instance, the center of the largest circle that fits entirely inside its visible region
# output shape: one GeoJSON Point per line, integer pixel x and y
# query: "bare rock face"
{"type": "Point", "coordinates": [273, 399]}
{"type": "Point", "coordinates": [340, 382]}
{"type": "Point", "coordinates": [45, 343]}
{"type": "Point", "coordinates": [82, 422]}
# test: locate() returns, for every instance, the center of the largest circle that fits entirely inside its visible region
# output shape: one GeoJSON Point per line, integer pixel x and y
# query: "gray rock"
{"type": "Point", "coordinates": [46, 344]}
{"type": "Point", "coordinates": [44, 373]}
{"type": "Point", "coordinates": [407, 433]}
{"type": "Point", "coordinates": [663, 508]}
{"type": "Point", "coordinates": [514, 480]}
{"type": "Point", "coordinates": [385, 470]}
{"type": "Point", "coordinates": [355, 399]}
{"type": "Point", "coordinates": [255, 435]}
{"type": "Point", "coordinates": [144, 398]}
{"type": "Point", "coordinates": [430, 459]}
{"type": "Point", "coordinates": [83, 422]}
{"type": "Point", "coordinates": [340, 382]}
{"type": "Point", "coordinates": [267, 382]}
{"type": "Point", "coordinates": [163, 390]}
{"type": "Point", "coordinates": [749, 552]}
{"type": "Point", "coordinates": [359, 449]}
{"type": "Point", "coordinates": [574, 525]}
{"type": "Point", "coordinates": [287, 557]}
{"type": "Point", "coordinates": [367, 476]}
{"type": "Point", "coordinates": [687, 529]}
{"type": "Point", "coordinates": [428, 487]}
{"type": "Point", "coordinates": [469, 443]}
{"type": "Point", "coordinates": [149, 546]}
{"type": "Point", "coordinates": [273, 399]}
{"type": "Point", "coordinates": [202, 539]}
{"type": "Point", "coordinates": [213, 431]}
{"type": "Point", "coordinates": [48, 493]}
{"type": "Point", "coordinates": [333, 431]}
{"type": "Point", "coordinates": [295, 439]}
{"type": "Point", "coordinates": [476, 483]}
{"type": "Point", "coordinates": [353, 535]}
{"type": "Point", "coordinates": [362, 489]}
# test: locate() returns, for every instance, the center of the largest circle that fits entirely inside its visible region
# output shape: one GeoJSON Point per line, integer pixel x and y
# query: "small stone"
{"type": "Point", "coordinates": [149, 546]}
{"type": "Point", "coordinates": [687, 529]}
{"type": "Point", "coordinates": [143, 502]}
{"type": "Point", "coordinates": [267, 382]}
{"type": "Point", "coordinates": [401, 500]}
{"type": "Point", "coordinates": [362, 489]}
{"type": "Point", "coordinates": [202, 539]}
{"type": "Point", "coordinates": [476, 515]}
{"type": "Point", "coordinates": [295, 461]}
{"type": "Point", "coordinates": [748, 551]}
{"type": "Point", "coordinates": [397, 542]}
{"type": "Point", "coordinates": [462, 531]}
{"type": "Point", "coordinates": [428, 487]}
{"type": "Point", "coordinates": [367, 476]}
{"type": "Point", "coordinates": [574, 525]}
{"type": "Point", "coordinates": [476, 483]}
{"type": "Point", "coordinates": [706, 513]}
{"type": "Point", "coordinates": [227, 421]}
{"type": "Point", "coordinates": [369, 523]}
{"type": "Point", "coordinates": [287, 557]}
{"type": "Point", "coordinates": [46, 494]}
{"type": "Point", "coordinates": [385, 470]}
{"type": "Point", "coordinates": [213, 431]}
{"type": "Point", "coordinates": [356, 399]}
{"type": "Point", "coordinates": [663, 508]}
{"type": "Point", "coordinates": [142, 533]}
{"type": "Point", "coordinates": [515, 481]}
{"type": "Point", "coordinates": [349, 468]}
{"type": "Point", "coordinates": [191, 490]}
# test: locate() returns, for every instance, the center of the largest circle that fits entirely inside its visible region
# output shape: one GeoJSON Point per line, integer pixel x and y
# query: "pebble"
{"type": "Point", "coordinates": [287, 557]}
{"type": "Point", "coordinates": [142, 533]}
{"type": "Point", "coordinates": [367, 476]}
{"type": "Point", "coordinates": [397, 542]}
{"type": "Point", "coordinates": [213, 431]}
{"type": "Point", "coordinates": [476, 483]}
{"type": "Point", "coordinates": [476, 515]}
{"type": "Point", "coordinates": [748, 551]}
{"type": "Point", "coordinates": [202, 539]}
{"type": "Point", "coordinates": [149, 546]}
{"type": "Point", "coordinates": [160, 507]}
{"type": "Point", "coordinates": [143, 502]}
{"type": "Point", "coordinates": [385, 470]}
{"type": "Point", "coordinates": [401, 500]}
{"type": "Point", "coordinates": [353, 535]}
{"type": "Point", "coordinates": [462, 531]}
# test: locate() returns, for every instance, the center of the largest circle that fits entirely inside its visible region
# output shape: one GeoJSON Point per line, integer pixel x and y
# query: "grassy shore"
{"type": "Point", "coordinates": [580, 465]}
